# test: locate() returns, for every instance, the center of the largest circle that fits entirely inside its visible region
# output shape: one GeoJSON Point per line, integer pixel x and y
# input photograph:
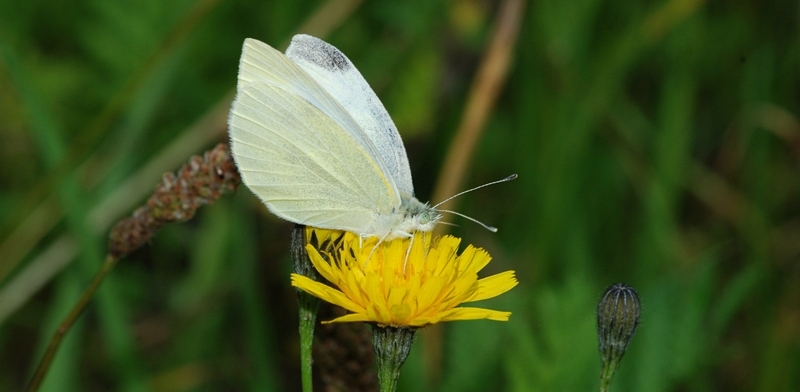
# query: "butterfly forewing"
{"type": "Point", "coordinates": [260, 63]}
{"type": "Point", "coordinates": [295, 150]}
{"type": "Point", "coordinates": [333, 71]}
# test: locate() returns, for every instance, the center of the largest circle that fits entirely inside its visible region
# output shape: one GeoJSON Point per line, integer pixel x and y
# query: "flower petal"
{"type": "Point", "coordinates": [321, 265]}
{"type": "Point", "coordinates": [493, 286]}
{"type": "Point", "coordinates": [474, 314]}
{"type": "Point", "coordinates": [348, 318]}
{"type": "Point", "coordinates": [324, 292]}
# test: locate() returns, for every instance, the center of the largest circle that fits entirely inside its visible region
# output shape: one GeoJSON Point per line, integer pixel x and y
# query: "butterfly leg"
{"type": "Point", "coordinates": [408, 253]}
{"type": "Point", "coordinates": [380, 241]}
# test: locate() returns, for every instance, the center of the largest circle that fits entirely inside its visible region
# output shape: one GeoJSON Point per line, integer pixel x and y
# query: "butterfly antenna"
{"type": "Point", "coordinates": [509, 178]}
{"type": "Point", "coordinates": [485, 226]}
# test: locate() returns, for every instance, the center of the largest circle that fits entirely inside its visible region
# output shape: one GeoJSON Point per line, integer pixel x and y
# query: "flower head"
{"type": "Point", "coordinates": [405, 282]}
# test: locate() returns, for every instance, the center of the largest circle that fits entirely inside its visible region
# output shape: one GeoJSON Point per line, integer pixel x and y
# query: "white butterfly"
{"type": "Point", "coordinates": [312, 140]}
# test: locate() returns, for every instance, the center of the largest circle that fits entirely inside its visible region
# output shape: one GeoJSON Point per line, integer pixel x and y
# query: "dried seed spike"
{"type": "Point", "coordinates": [176, 198]}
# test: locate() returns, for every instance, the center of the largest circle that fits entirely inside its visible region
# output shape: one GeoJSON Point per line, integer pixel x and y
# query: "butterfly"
{"type": "Point", "coordinates": [315, 144]}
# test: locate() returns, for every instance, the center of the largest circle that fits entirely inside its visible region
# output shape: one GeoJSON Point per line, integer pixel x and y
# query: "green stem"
{"type": "Point", "coordinates": [69, 320]}
{"type": "Point", "coordinates": [607, 374]}
{"type": "Point", "coordinates": [392, 346]}
{"type": "Point", "coordinates": [308, 317]}
{"type": "Point", "coordinates": [307, 306]}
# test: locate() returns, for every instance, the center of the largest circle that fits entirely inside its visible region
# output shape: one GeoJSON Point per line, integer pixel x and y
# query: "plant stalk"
{"type": "Point", "coordinates": [308, 305]}
{"type": "Point", "coordinates": [69, 320]}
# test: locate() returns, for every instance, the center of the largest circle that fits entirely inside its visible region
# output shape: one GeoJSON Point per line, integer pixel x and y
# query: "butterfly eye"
{"type": "Point", "coordinates": [425, 217]}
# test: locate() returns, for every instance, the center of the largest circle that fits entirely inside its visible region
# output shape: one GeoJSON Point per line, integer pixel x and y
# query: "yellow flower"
{"type": "Point", "coordinates": [388, 284]}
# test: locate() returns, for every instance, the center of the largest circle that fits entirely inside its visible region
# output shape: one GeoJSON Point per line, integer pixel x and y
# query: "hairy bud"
{"type": "Point", "coordinates": [617, 318]}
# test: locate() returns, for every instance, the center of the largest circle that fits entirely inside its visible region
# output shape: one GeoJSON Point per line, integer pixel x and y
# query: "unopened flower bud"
{"type": "Point", "coordinates": [617, 318]}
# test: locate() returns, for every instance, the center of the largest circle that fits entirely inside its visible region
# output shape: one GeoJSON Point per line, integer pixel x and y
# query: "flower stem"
{"type": "Point", "coordinates": [392, 346]}
{"type": "Point", "coordinates": [69, 320]}
{"type": "Point", "coordinates": [607, 374]}
{"type": "Point", "coordinates": [308, 305]}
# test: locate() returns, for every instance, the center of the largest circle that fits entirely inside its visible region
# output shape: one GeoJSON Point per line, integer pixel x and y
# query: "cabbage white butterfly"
{"type": "Point", "coordinates": [314, 143]}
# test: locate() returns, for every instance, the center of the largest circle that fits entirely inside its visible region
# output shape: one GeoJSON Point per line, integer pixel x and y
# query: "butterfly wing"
{"type": "Point", "coordinates": [295, 147]}
{"type": "Point", "coordinates": [333, 71]}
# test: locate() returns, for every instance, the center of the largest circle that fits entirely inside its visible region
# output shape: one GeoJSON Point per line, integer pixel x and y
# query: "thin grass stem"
{"type": "Point", "coordinates": [69, 320]}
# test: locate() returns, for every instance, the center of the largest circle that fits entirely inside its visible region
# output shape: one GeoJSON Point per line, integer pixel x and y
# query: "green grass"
{"type": "Point", "coordinates": [657, 144]}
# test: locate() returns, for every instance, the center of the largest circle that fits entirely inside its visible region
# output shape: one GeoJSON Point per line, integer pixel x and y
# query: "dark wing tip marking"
{"type": "Point", "coordinates": [321, 54]}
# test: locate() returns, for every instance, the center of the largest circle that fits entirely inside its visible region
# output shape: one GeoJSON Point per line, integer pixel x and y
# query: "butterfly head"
{"type": "Point", "coordinates": [416, 216]}
{"type": "Point", "coordinates": [425, 218]}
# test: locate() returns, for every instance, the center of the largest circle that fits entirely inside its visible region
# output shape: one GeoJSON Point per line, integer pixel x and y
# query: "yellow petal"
{"type": "Point", "coordinates": [322, 267]}
{"type": "Point", "coordinates": [430, 292]}
{"type": "Point", "coordinates": [325, 292]}
{"type": "Point", "coordinates": [474, 314]}
{"type": "Point", "coordinates": [494, 285]}
{"type": "Point", "coordinates": [479, 259]}
{"type": "Point", "coordinates": [349, 318]}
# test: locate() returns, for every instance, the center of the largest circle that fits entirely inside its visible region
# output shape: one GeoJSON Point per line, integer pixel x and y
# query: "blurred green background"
{"type": "Point", "coordinates": [657, 143]}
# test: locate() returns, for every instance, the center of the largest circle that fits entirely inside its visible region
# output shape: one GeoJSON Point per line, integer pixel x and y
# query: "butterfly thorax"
{"type": "Point", "coordinates": [412, 215]}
